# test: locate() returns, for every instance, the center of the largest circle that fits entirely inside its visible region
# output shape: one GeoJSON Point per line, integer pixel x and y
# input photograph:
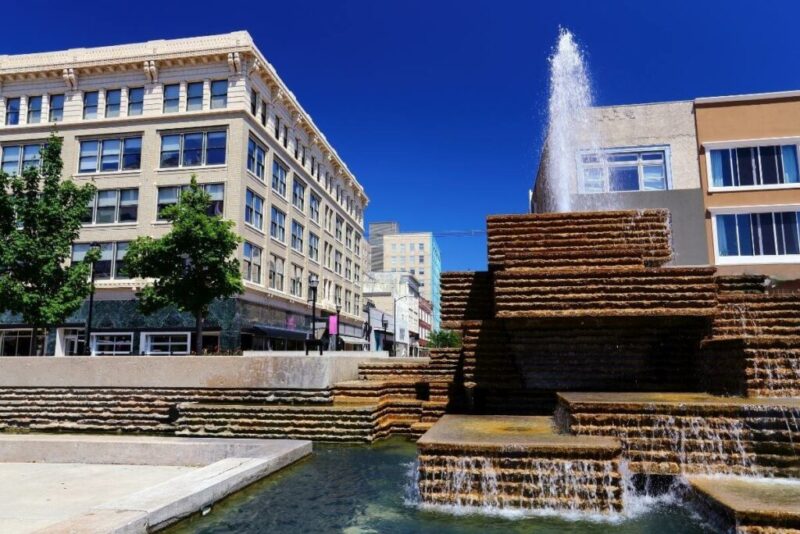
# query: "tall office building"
{"type": "Point", "coordinates": [417, 253]}
{"type": "Point", "coordinates": [138, 120]}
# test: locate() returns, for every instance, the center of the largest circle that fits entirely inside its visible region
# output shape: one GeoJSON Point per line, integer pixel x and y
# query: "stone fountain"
{"type": "Point", "coordinates": [588, 362]}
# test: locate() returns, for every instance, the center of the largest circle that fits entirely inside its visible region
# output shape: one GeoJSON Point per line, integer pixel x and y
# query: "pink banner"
{"type": "Point", "coordinates": [332, 324]}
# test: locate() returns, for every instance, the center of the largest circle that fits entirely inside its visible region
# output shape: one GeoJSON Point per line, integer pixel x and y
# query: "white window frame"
{"type": "Point", "coordinates": [666, 149]}
{"type": "Point", "coordinates": [747, 143]}
{"type": "Point", "coordinates": [93, 344]}
{"type": "Point", "coordinates": [144, 346]}
{"type": "Point", "coordinates": [719, 259]}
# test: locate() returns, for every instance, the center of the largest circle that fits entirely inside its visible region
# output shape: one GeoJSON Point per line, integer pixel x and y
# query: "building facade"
{"type": "Point", "coordinates": [138, 121]}
{"type": "Point", "coordinates": [638, 156]}
{"type": "Point", "coordinates": [417, 253]}
{"type": "Point", "coordinates": [747, 151]}
{"type": "Point", "coordinates": [396, 296]}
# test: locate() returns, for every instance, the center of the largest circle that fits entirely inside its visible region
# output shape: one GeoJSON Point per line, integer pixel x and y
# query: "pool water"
{"type": "Point", "coordinates": [364, 489]}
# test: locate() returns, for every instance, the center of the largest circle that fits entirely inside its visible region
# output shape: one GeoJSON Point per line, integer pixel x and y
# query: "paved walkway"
{"type": "Point", "coordinates": [36, 495]}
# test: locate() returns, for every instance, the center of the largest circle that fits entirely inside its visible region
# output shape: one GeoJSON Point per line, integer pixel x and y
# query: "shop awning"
{"type": "Point", "coordinates": [284, 333]}
{"type": "Point", "coordinates": [350, 340]}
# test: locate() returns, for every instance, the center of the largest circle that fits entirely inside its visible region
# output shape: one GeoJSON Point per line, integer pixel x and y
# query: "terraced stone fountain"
{"type": "Point", "coordinates": [617, 366]}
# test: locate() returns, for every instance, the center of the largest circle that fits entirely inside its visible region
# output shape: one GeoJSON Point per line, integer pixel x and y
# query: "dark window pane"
{"type": "Point", "coordinates": [215, 150]}
{"type": "Point", "coordinates": [745, 235]}
{"type": "Point", "coordinates": [102, 268]}
{"type": "Point", "coordinates": [726, 235]}
{"type": "Point", "coordinates": [135, 101]}
{"type": "Point", "coordinates": [767, 234]}
{"type": "Point", "coordinates": [132, 156]}
{"type": "Point", "coordinates": [744, 161]}
{"type": "Point", "coordinates": [192, 149]}
{"type": "Point", "coordinates": [170, 150]}
{"type": "Point", "coordinates": [109, 160]}
{"type": "Point", "coordinates": [790, 232]}
{"type": "Point", "coordinates": [769, 164]}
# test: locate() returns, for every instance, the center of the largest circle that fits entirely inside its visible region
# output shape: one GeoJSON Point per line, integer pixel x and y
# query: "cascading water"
{"type": "Point", "coordinates": [568, 128]}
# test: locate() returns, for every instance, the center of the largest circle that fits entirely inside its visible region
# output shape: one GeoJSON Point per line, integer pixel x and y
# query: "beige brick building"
{"type": "Point", "coordinates": [137, 121]}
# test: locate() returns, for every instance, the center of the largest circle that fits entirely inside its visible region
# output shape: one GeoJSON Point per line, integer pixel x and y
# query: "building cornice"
{"type": "Point", "coordinates": [236, 49]}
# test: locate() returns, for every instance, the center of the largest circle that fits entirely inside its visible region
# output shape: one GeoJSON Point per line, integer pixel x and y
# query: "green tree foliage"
{"type": "Point", "coordinates": [40, 217]}
{"type": "Point", "coordinates": [444, 339]}
{"type": "Point", "coordinates": [191, 265]}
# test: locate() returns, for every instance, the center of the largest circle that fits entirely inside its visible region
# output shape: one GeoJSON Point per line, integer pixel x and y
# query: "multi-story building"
{"type": "Point", "coordinates": [138, 121]}
{"type": "Point", "coordinates": [726, 167]}
{"type": "Point", "coordinates": [425, 321]}
{"type": "Point", "coordinates": [637, 156]}
{"type": "Point", "coordinates": [416, 253]}
{"type": "Point", "coordinates": [747, 149]}
{"type": "Point", "coordinates": [397, 295]}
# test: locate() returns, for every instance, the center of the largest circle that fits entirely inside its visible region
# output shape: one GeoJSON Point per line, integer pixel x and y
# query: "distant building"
{"type": "Point", "coordinates": [425, 321]}
{"type": "Point", "coordinates": [416, 253]}
{"type": "Point", "coordinates": [397, 295]}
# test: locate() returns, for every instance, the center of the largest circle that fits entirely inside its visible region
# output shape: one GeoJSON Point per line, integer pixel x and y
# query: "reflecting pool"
{"type": "Point", "coordinates": [355, 489]}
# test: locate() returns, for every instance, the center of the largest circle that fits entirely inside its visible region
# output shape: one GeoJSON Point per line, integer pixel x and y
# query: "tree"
{"type": "Point", "coordinates": [191, 265]}
{"type": "Point", "coordinates": [444, 339]}
{"type": "Point", "coordinates": [40, 218]}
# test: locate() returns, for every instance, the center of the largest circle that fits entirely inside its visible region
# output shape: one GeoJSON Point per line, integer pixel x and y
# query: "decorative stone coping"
{"type": "Point", "coordinates": [751, 504]}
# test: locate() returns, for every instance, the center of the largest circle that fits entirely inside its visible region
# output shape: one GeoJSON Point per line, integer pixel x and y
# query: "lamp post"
{"type": "Point", "coordinates": [313, 283]}
{"type": "Point", "coordinates": [394, 342]}
{"type": "Point", "coordinates": [87, 342]}
{"type": "Point", "coordinates": [385, 323]}
{"type": "Point", "coordinates": [338, 310]}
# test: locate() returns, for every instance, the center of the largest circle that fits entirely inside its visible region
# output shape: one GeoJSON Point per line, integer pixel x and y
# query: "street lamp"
{"type": "Point", "coordinates": [313, 283]}
{"type": "Point", "coordinates": [394, 342]}
{"type": "Point", "coordinates": [385, 323]}
{"type": "Point", "coordinates": [87, 342]}
{"type": "Point", "coordinates": [338, 310]}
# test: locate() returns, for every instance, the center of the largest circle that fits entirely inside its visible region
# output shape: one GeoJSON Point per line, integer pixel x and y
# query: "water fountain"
{"type": "Point", "coordinates": [568, 127]}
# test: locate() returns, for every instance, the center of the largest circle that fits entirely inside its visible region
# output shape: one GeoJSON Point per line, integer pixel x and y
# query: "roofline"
{"type": "Point", "coordinates": [240, 41]}
{"type": "Point", "coordinates": [659, 103]}
{"type": "Point", "coordinates": [747, 97]}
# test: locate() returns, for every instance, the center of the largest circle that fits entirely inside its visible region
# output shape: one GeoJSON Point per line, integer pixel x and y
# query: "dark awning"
{"type": "Point", "coordinates": [284, 333]}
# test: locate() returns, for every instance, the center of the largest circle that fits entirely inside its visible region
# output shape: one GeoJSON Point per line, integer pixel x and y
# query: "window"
{"type": "Point", "coordinates": [338, 295]}
{"type": "Point", "coordinates": [339, 224]}
{"type": "Point", "coordinates": [348, 308]}
{"type": "Point", "coordinates": [170, 195]}
{"type": "Point", "coordinates": [251, 263]}
{"type": "Point", "coordinates": [279, 171]}
{"type": "Point", "coordinates": [328, 249]}
{"type": "Point", "coordinates": [328, 219]}
{"type": "Point", "coordinates": [113, 99]}
{"type": "Point", "coordinates": [276, 272]}
{"type": "Point", "coordinates": [758, 235]}
{"type": "Point", "coordinates": [12, 111]}
{"type": "Point", "coordinates": [278, 225]}
{"type": "Point", "coordinates": [112, 344]}
{"type": "Point", "coordinates": [56, 108]}
{"type": "Point", "coordinates": [313, 165]}
{"type": "Point", "coordinates": [357, 304]}
{"type": "Point", "coordinates": [164, 343]}
{"type": "Point", "coordinates": [194, 96]}
{"type": "Point", "coordinates": [422, 259]}
{"type": "Point", "coordinates": [296, 283]}
{"type": "Point", "coordinates": [357, 276]}
{"type": "Point", "coordinates": [358, 244]}
{"type": "Point", "coordinates": [754, 166]}
{"type": "Point", "coordinates": [298, 193]}
{"type": "Point", "coordinates": [256, 155]}
{"type": "Point", "coordinates": [277, 128]}
{"type": "Point", "coordinates": [624, 170]}
{"type": "Point", "coordinates": [135, 101]}
{"type": "Point", "coordinates": [17, 158]}
{"type": "Point", "coordinates": [313, 204]}
{"type": "Point", "coordinates": [296, 147]}
{"type": "Point", "coordinates": [111, 264]}
{"type": "Point", "coordinates": [219, 94]}
{"type": "Point", "coordinates": [348, 237]}
{"type": "Point", "coordinates": [348, 269]}
{"type": "Point", "coordinates": [264, 114]}
{"type": "Point", "coordinates": [193, 149]}
{"type": "Point", "coordinates": [111, 206]}
{"type": "Point", "coordinates": [90, 99]}
{"type": "Point", "coordinates": [34, 109]}
{"type": "Point", "coordinates": [253, 101]}
{"type": "Point", "coordinates": [337, 262]}
{"type": "Point", "coordinates": [254, 210]}
{"type": "Point", "coordinates": [110, 155]}
{"type": "Point", "coordinates": [172, 97]}
{"type": "Point", "coordinates": [313, 246]}
{"type": "Point", "coordinates": [297, 236]}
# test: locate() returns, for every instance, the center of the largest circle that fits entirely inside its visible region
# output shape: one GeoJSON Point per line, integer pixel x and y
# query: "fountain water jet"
{"type": "Point", "coordinates": [568, 127]}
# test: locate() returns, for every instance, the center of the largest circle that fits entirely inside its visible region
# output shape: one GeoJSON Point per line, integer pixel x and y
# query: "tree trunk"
{"type": "Point", "coordinates": [198, 333]}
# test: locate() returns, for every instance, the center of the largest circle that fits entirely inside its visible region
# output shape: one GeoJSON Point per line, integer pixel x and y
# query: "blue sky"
{"type": "Point", "coordinates": [437, 106]}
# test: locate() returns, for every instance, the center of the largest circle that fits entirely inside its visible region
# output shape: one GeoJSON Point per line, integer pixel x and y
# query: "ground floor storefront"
{"type": "Point", "coordinates": [232, 325]}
